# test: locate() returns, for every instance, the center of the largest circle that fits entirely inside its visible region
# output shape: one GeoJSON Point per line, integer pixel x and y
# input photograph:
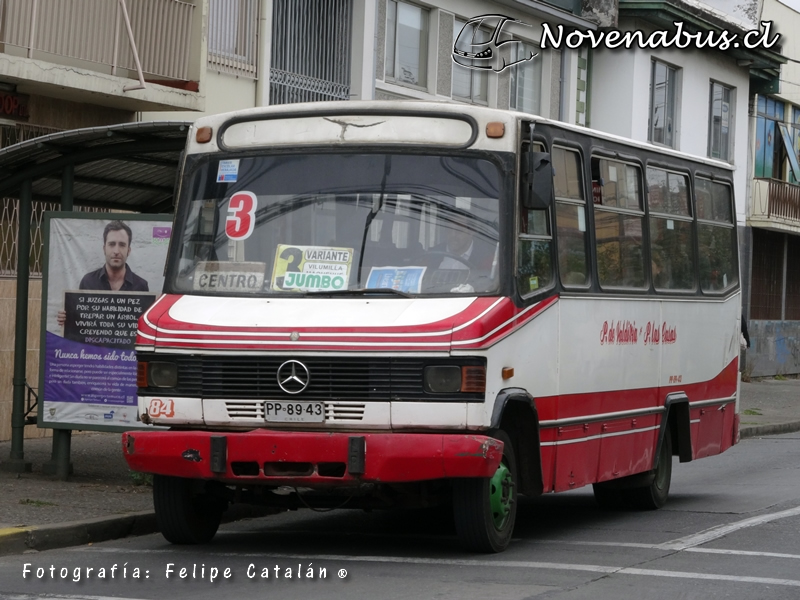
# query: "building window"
{"type": "Point", "coordinates": [795, 135]}
{"type": "Point", "coordinates": [526, 79]}
{"type": "Point", "coordinates": [406, 44]}
{"type": "Point", "coordinates": [769, 149]}
{"type": "Point", "coordinates": [663, 83]}
{"type": "Point", "coordinates": [471, 85]}
{"type": "Point", "coordinates": [233, 36]}
{"type": "Point", "coordinates": [720, 121]}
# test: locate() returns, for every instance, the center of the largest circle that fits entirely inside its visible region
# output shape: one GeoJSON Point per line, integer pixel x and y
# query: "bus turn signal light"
{"type": "Point", "coordinates": [141, 375]}
{"type": "Point", "coordinates": [495, 129]}
{"type": "Point", "coordinates": [508, 372]}
{"type": "Point", "coordinates": [473, 379]}
{"type": "Point", "coordinates": [203, 135]}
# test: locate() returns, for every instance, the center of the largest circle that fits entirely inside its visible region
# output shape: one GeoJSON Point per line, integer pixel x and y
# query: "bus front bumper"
{"type": "Point", "coordinates": [311, 458]}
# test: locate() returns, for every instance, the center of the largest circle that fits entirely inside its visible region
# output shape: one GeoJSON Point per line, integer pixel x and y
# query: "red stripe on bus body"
{"type": "Point", "coordinates": [568, 406]}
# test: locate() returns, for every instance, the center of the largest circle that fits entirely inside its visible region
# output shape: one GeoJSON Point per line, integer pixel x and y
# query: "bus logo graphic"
{"type": "Point", "coordinates": [470, 51]}
{"type": "Point", "coordinates": [293, 377]}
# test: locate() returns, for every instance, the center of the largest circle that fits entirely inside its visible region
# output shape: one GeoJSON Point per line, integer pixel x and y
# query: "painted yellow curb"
{"type": "Point", "coordinates": [13, 530]}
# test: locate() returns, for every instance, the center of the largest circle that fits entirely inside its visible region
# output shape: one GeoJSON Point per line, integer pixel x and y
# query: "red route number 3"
{"type": "Point", "coordinates": [241, 218]}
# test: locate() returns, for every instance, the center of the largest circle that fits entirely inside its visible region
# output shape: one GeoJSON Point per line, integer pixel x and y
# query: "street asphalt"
{"type": "Point", "coordinates": [103, 500]}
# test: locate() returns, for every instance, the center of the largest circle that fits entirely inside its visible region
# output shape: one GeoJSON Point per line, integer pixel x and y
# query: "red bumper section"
{"type": "Point", "coordinates": [308, 458]}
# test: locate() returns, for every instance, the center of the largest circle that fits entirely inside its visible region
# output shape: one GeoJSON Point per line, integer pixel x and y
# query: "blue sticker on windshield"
{"type": "Point", "coordinates": [228, 171]}
{"type": "Point", "coordinates": [404, 279]}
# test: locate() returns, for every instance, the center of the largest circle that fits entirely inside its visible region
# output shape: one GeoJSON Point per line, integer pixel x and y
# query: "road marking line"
{"type": "Point", "coordinates": [513, 564]}
{"type": "Point", "coordinates": [714, 533]}
{"type": "Point", "coordinates": [613, 544]}
{"type": "Point", "coordinates": [59, 597]}
{"type": "Point", "coordinates": [711, 576]}
{"type": "Point", "coordinates": [661, 547]}
{"type": "Point", "coordinates": [743, 553]}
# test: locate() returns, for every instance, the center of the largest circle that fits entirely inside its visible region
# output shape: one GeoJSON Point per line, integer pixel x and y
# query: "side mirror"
{"type": "Point", "coordinates": [538, 190]}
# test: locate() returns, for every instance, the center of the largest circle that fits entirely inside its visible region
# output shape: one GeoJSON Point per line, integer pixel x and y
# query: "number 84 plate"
{"type": "Point", "coordinates": [294, 412]}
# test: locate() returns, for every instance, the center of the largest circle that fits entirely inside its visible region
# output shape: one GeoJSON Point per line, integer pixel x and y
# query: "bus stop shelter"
{"type": "Point", "coordinates": [129, 167]}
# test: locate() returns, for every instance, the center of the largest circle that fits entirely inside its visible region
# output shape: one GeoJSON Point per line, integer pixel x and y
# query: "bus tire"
{"type": "Point", "coordinates": [183, 515]}
{"type": "Point", "coordinates": [485, 508]}
{"type": "Point", "coordinates": [654, 496]}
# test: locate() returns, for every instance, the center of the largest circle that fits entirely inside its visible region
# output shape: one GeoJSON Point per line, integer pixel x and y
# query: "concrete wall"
{"type": "Point", "coordinates": [786, 21]}
{"type": "Point", "coordinates": [223, 93]}
{"type": "Point", "coordinates": [621, 98]}
{"type": "Point", "coordinates": [774, 348]}
{"type": "Point", "coordinates": [63, 114]}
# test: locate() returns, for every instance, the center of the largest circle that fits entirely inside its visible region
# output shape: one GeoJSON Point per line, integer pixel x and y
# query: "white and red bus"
{"type": "Point", "coordinates": [400, 304]}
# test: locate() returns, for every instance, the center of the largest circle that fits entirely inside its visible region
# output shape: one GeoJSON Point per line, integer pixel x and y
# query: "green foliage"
{"type": "Point", "coordinates": [30, 502]}
{"type": "Point", "coordinates": [142, 478]}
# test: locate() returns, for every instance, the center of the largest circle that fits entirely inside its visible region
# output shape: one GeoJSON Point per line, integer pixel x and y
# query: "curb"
{"type": "Point", "coordinates": [17, 540]}
{"type": "Point", "coordinates": [776, 429]}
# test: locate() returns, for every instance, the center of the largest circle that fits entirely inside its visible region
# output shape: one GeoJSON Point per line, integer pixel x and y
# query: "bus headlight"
{"type": "Point", "coordinates": [449, 379]}
{"type": "Point", "coordinates": [161, 374]}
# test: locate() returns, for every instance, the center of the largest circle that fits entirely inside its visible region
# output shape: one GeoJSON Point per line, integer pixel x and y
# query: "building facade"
{"type": "Point", "coordinates": [773, 212]}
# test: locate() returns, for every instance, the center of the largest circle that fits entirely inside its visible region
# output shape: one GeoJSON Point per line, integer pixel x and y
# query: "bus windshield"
{"type": "Point", "coordinates": [330, 223]}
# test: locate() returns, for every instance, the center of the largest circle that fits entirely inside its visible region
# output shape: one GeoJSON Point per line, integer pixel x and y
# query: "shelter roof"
{"type": "Point", "coordinates": [131, 166]}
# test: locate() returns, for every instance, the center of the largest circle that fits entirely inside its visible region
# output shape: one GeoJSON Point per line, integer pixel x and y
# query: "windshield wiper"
{"type": "Point", "coordinates": [360, 292]}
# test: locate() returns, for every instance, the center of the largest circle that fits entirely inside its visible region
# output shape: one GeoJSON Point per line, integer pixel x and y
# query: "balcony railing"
{"type": "Point", "coordinates": [777, 201]}
{"type": "Point", "coordinates": [94, 31]}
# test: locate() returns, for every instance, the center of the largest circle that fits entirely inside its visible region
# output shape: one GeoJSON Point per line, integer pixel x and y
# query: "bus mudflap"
{"type": "Point", "coordinates": [308, 458]}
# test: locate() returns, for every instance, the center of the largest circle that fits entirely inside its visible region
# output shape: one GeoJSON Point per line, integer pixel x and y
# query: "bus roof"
{"type": "Point", "coordinates": [406, 122]}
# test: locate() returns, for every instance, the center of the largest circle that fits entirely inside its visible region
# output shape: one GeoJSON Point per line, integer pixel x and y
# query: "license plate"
{"type": "Point", "coordinates": [294, 412]}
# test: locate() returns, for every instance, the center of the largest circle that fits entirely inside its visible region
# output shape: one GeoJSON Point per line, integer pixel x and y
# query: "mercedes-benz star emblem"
{"type": "Point", "coordinates": [293, 377]}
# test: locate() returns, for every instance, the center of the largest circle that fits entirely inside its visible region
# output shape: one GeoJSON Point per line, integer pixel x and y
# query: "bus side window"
{"type": "Point", "coordinates": [671, 247]}
{"type": "Point", "coordinates": [570, 218]}
{"type": "Point", "coordinates": [618, 224]}
{"type": "Point", "coordinates": [534, 252]}
{"type": "Point", "coordinates": [716, 236]}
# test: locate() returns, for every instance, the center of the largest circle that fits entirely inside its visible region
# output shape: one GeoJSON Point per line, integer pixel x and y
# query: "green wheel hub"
{"type": "Point", "coordinates": [501, 496]}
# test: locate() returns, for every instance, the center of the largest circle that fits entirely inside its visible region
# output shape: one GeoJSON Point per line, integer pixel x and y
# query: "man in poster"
{"type": "Point", "coordinates": [115, 274]}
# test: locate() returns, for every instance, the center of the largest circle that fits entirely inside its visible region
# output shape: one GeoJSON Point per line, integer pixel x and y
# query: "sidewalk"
{"type": "Point", "coordinates": [104, 500]}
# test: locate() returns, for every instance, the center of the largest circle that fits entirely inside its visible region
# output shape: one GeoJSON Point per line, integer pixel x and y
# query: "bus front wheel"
{"type": "Point", "coordinates": [184, 515]}
{"type": "Point", "coordinates": [485, 508]}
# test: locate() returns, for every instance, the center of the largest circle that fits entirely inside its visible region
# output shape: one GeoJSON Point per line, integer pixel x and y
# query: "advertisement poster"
{"type": "Point", "coordinates": [102, 272]}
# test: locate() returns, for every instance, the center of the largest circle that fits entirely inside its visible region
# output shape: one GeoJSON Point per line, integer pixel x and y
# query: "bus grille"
{"type": "Point", "coordinates": [331, 378]}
